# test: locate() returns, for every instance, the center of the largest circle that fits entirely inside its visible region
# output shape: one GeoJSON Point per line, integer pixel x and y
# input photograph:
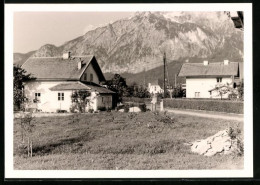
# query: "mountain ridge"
{"type": "Point", "coordinates": [137, 43]}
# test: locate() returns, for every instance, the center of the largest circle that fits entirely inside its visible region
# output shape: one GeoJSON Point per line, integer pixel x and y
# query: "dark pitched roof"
{"type": "Point", "coordinates": [80, 86]}
{"type": "Point", "coordinates": [70, 86]}
{"type": "Point", "coordinates": [53, 68]}
{"type": "Point", "coordinates": [100, 89]}
{"type": "Point", "coordinates": [212, 69]}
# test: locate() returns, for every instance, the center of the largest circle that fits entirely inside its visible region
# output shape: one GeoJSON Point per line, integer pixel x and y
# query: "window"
{"type": "Point", "coordinates": [91, 77]}
{"type": "Point", "coordinates": [219, 80]}
{"type": "Point", "coordinates": [60, 96]}
{"type": "Point", "coordinates": [85, 76]}
{"type": "Point", "coordinates": [197, 94]}
{"type": "Point", "coordinates": [37, 97]}
{"type": "Point", "coordinates": [154, 88]}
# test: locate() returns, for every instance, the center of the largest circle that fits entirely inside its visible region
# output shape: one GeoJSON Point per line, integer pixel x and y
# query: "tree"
{"type": "Point", "coordinates": [19, 77]}
{"type": "Point", "coordinates": [161, 95]}
{"type": "Point", "coordinates": [240, 90]}
{"type": "Point", "coordinates": [223, 89]}
{"type": "Point", "coordinates": [128, 91]}
{"type": "Point", "coordinates": [178, 91]}
{"type": "Point", "coordinates": [27, 128]}
{"type": "Point", "coordinates": [142, 92]}
{"type": "Point", "coordinates": [80, 100]}
{"type": "Point", "coordinates": [118, 85]}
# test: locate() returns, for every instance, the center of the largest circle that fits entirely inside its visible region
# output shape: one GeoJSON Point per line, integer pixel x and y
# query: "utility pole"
{"type": "Point", "coordinates": [164, 66]}
{"type": "Point", "coordinates": [144, 76]}
{"type": "Point", "coordinates": [175, 81]}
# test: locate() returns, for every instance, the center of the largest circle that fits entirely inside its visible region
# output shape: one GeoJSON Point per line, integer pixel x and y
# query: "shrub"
{"type": "Point", "coordinates": [236, 134]}
{"type": "Point", "coordinates": [137, 100]}
{"type": "Point", "coordinates": [126, 108]}
{"type": "Point", "coordinates": [61, 111]}
{"type": "Point", "coordinates": [233, 96]}
{"type": "Point", "coordinates": [74, 108]}
{"type": "Point", "coordinates": [102, 108]}
{"type": "Point", "coordinates": [80, 99]}
{"type": "Point", "coordinates": [132, 115]}
{"type": "Point", "coordinates": [91, 110]}
{"type": "Point", "coordinates": [241, 90]}
{"type": "Point", "coordinates": [119, 107]}
{"type": "Point", "coordinates": [142, 107]}
{"type": "Point", "coordinates": [209, 105]}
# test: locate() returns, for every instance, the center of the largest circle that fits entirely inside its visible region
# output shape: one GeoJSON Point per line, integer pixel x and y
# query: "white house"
{"type": "Point", "coordinates": [154, 87]}
{"type": "Point", "coordinates": [202, 78]}
{"type": "Point", "coordinates": [56, 78]}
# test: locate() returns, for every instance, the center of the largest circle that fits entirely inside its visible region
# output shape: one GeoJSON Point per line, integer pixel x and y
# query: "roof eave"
{"type": "Point", "coordinates": [55, 79]}
{"type": "Point", "coordinates": [205, 76]}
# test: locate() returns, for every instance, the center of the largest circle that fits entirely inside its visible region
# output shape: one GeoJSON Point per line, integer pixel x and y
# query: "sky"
{"type": "Point", "coordinates": [35, 29]}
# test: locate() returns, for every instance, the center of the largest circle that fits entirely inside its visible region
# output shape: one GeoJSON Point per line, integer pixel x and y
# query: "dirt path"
{"type": "Point", "coordinates": [215, 115]}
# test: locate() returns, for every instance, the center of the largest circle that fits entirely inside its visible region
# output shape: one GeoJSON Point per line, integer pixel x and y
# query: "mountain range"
{"type": "Point", "coordinates": [136, 44]}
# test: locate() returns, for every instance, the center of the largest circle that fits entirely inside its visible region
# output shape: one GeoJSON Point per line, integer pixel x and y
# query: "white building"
{"type": "Point", "coordinates": [202, 78]}
{"type": "Point", "coordinates": [56, 78]}
{"type": "Point", "coordinates": [154, 87]}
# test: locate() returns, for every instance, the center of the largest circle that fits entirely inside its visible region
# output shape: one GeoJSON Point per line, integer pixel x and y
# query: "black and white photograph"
{"type": "Point", "coordinates": [130, 90]}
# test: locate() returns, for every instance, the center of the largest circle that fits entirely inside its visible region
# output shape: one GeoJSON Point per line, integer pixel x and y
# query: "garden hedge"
{"type": "Point", "coordinates": [136, 100]}
{"type": "Point", "coordinates": [206, 104]}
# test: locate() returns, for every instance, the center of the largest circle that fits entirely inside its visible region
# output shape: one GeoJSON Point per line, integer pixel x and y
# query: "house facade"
{"type": "Point", "coordinates": [56, 78]}
{"type": "Point", "coordinates": [203, 79]}
{"type": "Point", "coordinates": [154, 87]}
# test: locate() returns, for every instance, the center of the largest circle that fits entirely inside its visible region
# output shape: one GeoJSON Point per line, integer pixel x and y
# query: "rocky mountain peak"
{"type": "Point", "coordinates": [138, 43]}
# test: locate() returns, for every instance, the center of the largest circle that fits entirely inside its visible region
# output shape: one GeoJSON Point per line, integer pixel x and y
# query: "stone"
{"type": "Point", "coordinates": [220, 143]}
{"type": "Point", "coordinates": [200, 147]}
{"type": "Point", "coordinates": [210, 152]}
{"type": "Point", "coordinates": [134, 109]}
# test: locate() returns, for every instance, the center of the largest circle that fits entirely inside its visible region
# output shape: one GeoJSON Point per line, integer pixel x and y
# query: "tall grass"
{"type": "Point", "coordinates": [115, 140]}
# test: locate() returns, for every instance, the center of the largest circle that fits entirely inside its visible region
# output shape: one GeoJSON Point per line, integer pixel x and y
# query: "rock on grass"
{"type": "Point", "coordinates": [220, 143]}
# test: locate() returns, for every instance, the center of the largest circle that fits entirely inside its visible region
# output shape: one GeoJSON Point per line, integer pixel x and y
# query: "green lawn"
{"type": "Point", "coordinates": [121, 141]}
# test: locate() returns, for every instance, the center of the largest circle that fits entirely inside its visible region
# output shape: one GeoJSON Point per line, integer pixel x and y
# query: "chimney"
{"type": "Point", "coordinates": [149, 85]}
{"type": "Point", "coordinates": [79, 64]}
{"type": "Point", "coordinates": [205, 62]}
{"type": "Point", "coordinates": [66, 55]}
{"type": "Point", "coordinates": [226, 62]}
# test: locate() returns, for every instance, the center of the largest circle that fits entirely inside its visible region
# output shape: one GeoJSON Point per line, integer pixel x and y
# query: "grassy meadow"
{"type": "Point", "coordinates": [120, 141]}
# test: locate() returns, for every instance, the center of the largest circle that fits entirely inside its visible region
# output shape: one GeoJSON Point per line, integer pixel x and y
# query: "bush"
{"type": "Point", "coordinates": [236, 134]}
{"type": "Point", "coordinates": [80, 99]}
{"type": "Point", "coordinates": [119, 107]}
{"type": "Point", "coordinates": [137, 100]}
{"type": "Point", "coordinates": [209, 105]}
{"type": "Point", "coordinates": [74, 108]}
{"type": "Point", "coordinates": [142, 107]}
{"type": "Point", "coordinates": [102, 108]}
{"type": "Point", "coordinates": [233, 96]}
{"type": "Point", "coordinates": [91, 110]}
{"type": "Point", "coordinates": [126, 108]}
{"type": "Point", "coordinates": [61, 111]}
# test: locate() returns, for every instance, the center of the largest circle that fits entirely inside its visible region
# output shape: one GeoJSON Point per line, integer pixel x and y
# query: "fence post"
{"type": "Point", "coordinates": [28, 147]}
{"type": "Point", "coordinates": [161, 105]}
